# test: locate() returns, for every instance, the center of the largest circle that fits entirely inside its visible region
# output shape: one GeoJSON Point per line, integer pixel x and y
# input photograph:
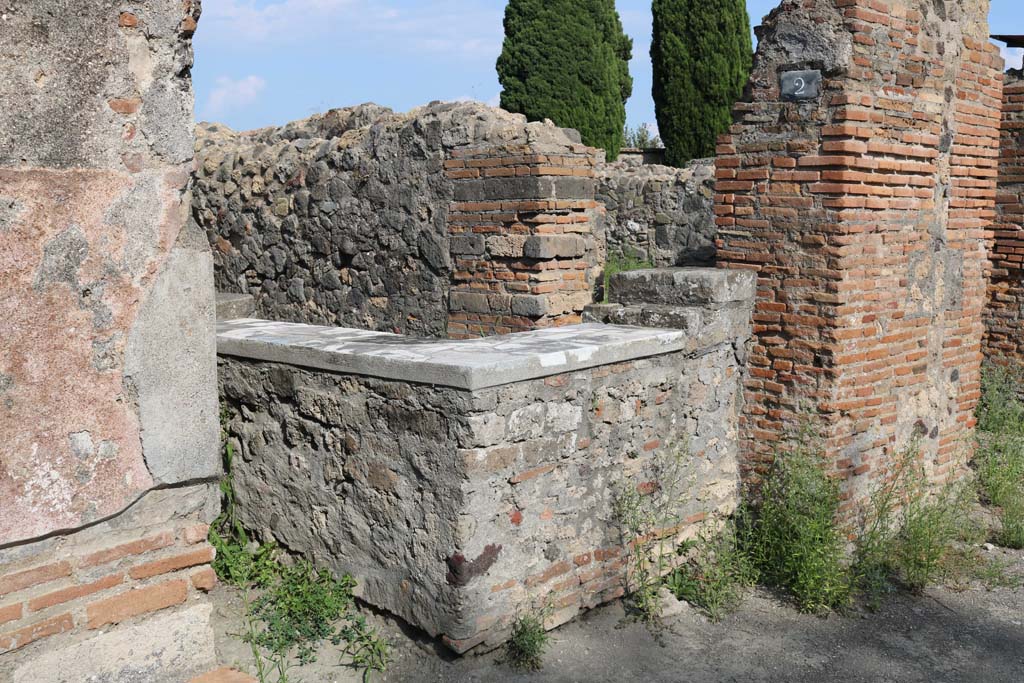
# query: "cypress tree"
{"type": "Point", "coordinates": [568, 61]}
{"type": "Point", "coordinates": [702, 54]}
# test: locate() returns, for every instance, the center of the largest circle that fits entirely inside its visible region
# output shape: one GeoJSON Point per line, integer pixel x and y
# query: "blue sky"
{"type": "Point", "coordinates": [264, 62]}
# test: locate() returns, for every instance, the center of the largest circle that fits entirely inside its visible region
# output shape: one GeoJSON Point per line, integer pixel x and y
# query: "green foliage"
{"type": "Point", "coordinates": [641, 137]}
{"type": "Point", "coordinates": [289, 609]}
{"type": "Point", "coordinates": [525, 649]}
{"type": "Point", "coordinates": [646, 519]}
{"type": "Point", "coordinates": [908, 531]}
{"type": "Point", "coordinates": [716, 572]}
{"type": "Point", "coordinates": [298, 610]}
{"type": "Point", "coordinates": [568, 61]}
{"type": "Point", "coordinates": [621, 263]}
{"type": "Point", "coordinates": [793, 539]}
{"type": "Point", "coordinates": [702, 55]}
{"type": "Point", "coordinates": [1000, 456]}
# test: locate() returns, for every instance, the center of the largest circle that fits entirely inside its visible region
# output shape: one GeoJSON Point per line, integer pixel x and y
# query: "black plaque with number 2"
{"type": "Point", "coordinates": [798, 86]}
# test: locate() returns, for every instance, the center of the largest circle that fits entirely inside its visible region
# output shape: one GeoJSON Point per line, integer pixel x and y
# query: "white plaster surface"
{"type": "Point", "coordinates": [465, 364]}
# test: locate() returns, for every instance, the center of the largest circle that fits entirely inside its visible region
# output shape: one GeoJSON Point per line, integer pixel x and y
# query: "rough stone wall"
{"type": "Point", "coordinates": [365, 218]}
{"type": "Point", "coordinates": [662, 215]}
{"type": "Point", "coordinates": [1004, 317]}
{"type": "Point", "coordinates": [107, 370]}
{"type": "Point", "coordinates": [864, 212]}
{"type": "Point", "coordinates": [456, 509]}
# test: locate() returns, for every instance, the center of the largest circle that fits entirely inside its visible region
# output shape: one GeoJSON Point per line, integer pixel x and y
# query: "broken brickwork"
{"type": "Point", "coordinates": [1004, 317]}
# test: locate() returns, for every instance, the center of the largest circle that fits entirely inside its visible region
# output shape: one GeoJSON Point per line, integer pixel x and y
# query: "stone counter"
{"type": "Point", "coordinates": [463, 482]}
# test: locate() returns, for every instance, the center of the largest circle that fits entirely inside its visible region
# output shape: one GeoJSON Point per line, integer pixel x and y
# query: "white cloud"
{"type": "Point", "coordinates": [458, 28]}
{"type": "Point", "coordinates": [1013, 56]}
{"type": "Point", "coordinates": [230, 95]}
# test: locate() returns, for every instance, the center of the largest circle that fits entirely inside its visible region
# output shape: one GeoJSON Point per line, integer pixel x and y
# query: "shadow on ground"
{"type": "Point", "coordinates": [942, 636]}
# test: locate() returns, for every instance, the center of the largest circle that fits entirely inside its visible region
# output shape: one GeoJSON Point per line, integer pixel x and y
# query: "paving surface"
{"type": "Point", "coordinates": [944, 636]}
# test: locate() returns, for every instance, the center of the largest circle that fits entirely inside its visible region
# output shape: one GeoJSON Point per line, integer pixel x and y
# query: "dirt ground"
{"type": "Point", "coordinates": [945, 635]}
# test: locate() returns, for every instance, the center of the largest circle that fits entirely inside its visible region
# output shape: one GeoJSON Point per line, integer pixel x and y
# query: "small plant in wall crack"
{"type": "Point", "coordinates": [290, 608]}
{"type": "Point", "coordinates": [648, 518]}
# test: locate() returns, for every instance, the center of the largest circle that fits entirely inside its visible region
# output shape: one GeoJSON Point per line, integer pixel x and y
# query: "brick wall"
{"type": "Point", "coordinates": [96, 587]}
{"type": "Point", "coordinates": [1004, 333]}
{"type": "Point", "coordinates": [522, 238]}
{"type": "Point", "coordinates": [864, 213]}
{"type": "Point", "coordinates": [61, 596]}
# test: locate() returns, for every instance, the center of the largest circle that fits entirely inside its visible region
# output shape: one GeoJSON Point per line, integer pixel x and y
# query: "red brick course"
{"type": "Point", "coordinates": [528, 258]}
{"type": "Point", "coordinates": [136, 601]}
{"type": "Point", "coordinates": [1004, 316]}
{"type": "Point", "coordinates": [100, 587]}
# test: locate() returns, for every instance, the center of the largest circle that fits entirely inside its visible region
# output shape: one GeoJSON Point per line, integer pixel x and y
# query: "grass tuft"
{"type": "Point", "coordinates": [525, 649]}
{"type": "Point", "coordinates": [999, 459]}
{"type": "Point", "coordinates": [793, 539]}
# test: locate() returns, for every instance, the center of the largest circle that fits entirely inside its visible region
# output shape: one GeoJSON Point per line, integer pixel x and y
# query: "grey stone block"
{"type": "Point", "coordinates": [171, 365]}
{"type": "Point", "coordinates": [683, 286]}
{"type": "Point", "coordinates": [470, 302]}
{"type": "Point", "coordinates": [530, 306]}
{"type": "Point", "coordinates": [553, 246]}
{"type": "Point", "coordinates": [231, 306]}
{"type": "Point", "coordinates": [464, 364]}
{"type": "Point", "coordinates": [170, 647]}
{"type": "Point", "coordinates": [467, 245]}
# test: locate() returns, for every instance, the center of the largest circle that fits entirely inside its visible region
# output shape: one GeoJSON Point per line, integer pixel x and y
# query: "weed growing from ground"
{"type": "Point", "coordinates": [999, 459]}
{"type": "Point", "coordinates": [525, 648]}
{"type": "Point", "coordinates": [289, 608]}
{"type": "Point", "coordinates": [793, 539]}
{"type": "Point", "coordinates": [716, 571]}
{"type": "Point", "coordinates": [908, 531]}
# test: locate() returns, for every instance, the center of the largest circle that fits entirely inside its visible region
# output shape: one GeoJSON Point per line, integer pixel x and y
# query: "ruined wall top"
{"type": "Point", "coordinates": [367, 218]}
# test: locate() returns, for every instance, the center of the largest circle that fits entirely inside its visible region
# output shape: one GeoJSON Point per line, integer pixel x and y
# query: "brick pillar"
{"type": "Point", "coordinates": [1004, 338]}
{"type": "Point", "coordinates": [523, 247]}
{"type": "Point", "coordinates": [864, 210]}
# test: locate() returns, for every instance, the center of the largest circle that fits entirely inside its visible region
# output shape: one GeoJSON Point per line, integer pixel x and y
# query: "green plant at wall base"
{"type": "Point", "coordinates": [716, 572]}
{"type": "Point", "coordinates": [289, 609]}
{"type": "Point", "coordinates": [528, 642]}
{"type": "Point", "coordinates": [999, 459]}
{"type": "Point", "coordinates": [908, 531]}
{"type": "Point", "coordinates": [621, 263]}
{"type": "Point", "coordinates": [793, 539]}
{"type": "Point", "coordinates": [568, 61]}
{"type": "Point", "coordinates": [646, 520]}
